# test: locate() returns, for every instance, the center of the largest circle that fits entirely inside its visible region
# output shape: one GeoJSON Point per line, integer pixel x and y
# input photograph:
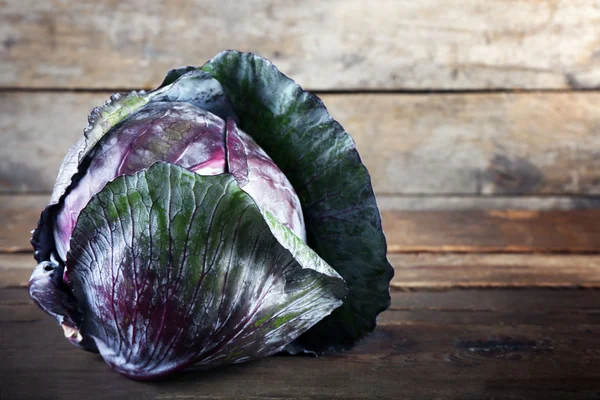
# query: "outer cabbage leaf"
{"type": "Point", "coordinates": [319, 158]}
{"type": "Point", "coordinates": [197, 88]}
{"type": "Point", "coordinates": [173, 269]}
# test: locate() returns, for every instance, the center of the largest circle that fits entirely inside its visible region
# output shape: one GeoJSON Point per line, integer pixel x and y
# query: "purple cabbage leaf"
{"type": "Point", "coordinates": [186, 271]}
{"type": "Point", "coordinates": [220, 218]}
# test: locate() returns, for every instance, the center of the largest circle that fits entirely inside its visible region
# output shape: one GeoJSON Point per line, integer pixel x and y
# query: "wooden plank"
{"type": "Point", "coordinates": [37, 130]}
{"type": "Point", "coordinates": [476, 144]}
{"type": "Point", "coordinates": [15, 269]}
{"type": "Point", "coordinates": [337, 44]}
{"type": "Point", "coordinates": [406, 231]}
{"type": "Point", "coordinates": [433, 271]}
{"type": "Point", "coordinates": [445, 345]}
{"type": "Point", "coordinates": [497, 202]}
{"type": "Point", "coordinates": [18, 216]}
{"type": "Point", "coordinates": [501, 144]}
{"type": "Point", "coordinates": [447, 271]}
{"type": "Point", "coordinates": [515, 231]}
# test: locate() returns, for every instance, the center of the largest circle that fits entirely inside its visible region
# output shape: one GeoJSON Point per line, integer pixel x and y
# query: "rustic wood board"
{"type": "Point", "coordinates": [406, 231]}
{"type": "Point", "coordinates": [335, 44]}
{"type": "Point", "coordinates": [476, 143]}
{"type": "Point", "coordinates": [521, 143]}
{"type": "Point", "coordinates": [433, 271]}
{"type": "Point", "coordinates": [495, 202]}
{"type": "Point", "coordinates": [15, 269]}
{"type": "Point", "coordinates": [457, 344]}
{"type": "Point", "coordinates": [447, 271]}
{"type": "Point", "coordinates": [481, 231]}
{"type": "Point", "coordinates": [18, 216]}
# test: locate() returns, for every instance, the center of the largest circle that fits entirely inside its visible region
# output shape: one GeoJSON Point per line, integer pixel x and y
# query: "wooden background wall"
{"type": "Point", "coordinates": [478, 119]}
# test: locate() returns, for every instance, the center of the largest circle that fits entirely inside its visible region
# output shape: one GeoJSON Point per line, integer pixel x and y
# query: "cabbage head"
{"type": "Point", "coordinates": [220, 218]}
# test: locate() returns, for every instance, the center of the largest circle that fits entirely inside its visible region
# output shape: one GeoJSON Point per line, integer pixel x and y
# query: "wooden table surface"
{"type": "Point", "coordinates": [493, 319]}
{"type": "Point", "coordinates": [480, 125]}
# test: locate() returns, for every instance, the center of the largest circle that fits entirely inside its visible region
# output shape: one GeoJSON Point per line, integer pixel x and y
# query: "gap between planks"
{"type": "Point", "coordinates": [327, 92]}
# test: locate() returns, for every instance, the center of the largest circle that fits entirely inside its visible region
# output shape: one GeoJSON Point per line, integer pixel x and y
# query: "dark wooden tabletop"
{"type": "Point", "coordinates": [478, 121]}
{"type": "Point", "coordinates": [521, 321]}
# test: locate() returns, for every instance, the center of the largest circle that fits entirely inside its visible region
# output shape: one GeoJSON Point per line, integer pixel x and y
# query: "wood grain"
{"type": "Point", "coordinates": [334, 44]}
{"type": "Point", "coordinates": [513, 231]}
{"type": "Point", "coordinates": [15, 269]}
{"type": "Point", "coordinates": [18, 216]}
{"type": "Point", "coordinates": [426, 202]}
{"type": "Point", "coordinates": [458, 344]}
{"type": "Point", "coordinates": [433, 271]}
{"type": "Point", "coordinates": [477, 144]}
{"type": "Point", "coordinates": [448, 271]}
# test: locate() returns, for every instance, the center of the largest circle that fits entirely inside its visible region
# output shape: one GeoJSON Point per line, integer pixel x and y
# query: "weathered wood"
{"type": "Point", "coordinates": [497, 202]}
{"type": "Point", "coordinates": [336, 44]}
{"type": "Point", "coordinates": [406, 231]}
{"type": "Point", "coordinates": [477, 143]}
{"type": "Point", "coordinates": [15, 269]}
{"type": "Point", "coordinates": [447, 271]}
{"type": "Point", "coordinates": [517, 309]}
{"type": "Point", "coordinates": [446, 345]}
{"type": "Point", "coordinates": [18, 216]}
{"type": "Point", "coordinates": [412, 144]}
{"type": "Point", "coordinates": [433, 271]}
{"type": "Point", "coordinates": [37, 130]}
{"type": "Point", "coordinates": [517, 231]}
